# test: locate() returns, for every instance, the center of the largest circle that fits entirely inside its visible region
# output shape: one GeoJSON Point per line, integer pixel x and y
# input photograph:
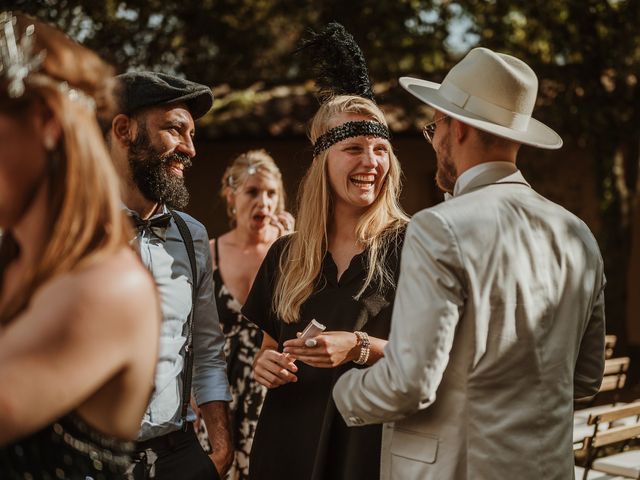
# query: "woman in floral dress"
{"type": "Point", "coordinates": [253, 191]}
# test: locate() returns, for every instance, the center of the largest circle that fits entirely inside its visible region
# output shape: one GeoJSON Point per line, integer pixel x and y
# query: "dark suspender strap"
{"type": "Point", "coordinates": [188, 353]}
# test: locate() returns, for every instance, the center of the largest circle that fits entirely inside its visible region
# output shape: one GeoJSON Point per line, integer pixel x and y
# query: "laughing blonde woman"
{"type": "Point", "coordinates": [340, 268]}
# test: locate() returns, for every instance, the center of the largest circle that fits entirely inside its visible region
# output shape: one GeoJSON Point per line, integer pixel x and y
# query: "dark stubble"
{"type": "Point", "coordinates": [150, 171]}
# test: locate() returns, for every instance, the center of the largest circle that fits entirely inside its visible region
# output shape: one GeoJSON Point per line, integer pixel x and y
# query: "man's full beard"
{"type": "Point", "coordinates": [151, 173]}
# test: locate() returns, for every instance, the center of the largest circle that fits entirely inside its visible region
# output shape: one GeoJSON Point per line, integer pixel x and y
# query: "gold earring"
{"type": "Point", "coordinates": [49, 143]}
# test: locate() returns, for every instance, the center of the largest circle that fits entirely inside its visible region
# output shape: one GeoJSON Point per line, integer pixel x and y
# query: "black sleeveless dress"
{"type": "Point", "coordinates": [68, 449]}
{"type": "Point", "coordinates": [242, 343]}
{"type": "Point", "coordinates": [300, 434]}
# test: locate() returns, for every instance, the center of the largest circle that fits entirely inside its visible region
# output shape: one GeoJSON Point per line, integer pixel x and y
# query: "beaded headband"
{"type": "Point", "coordinates": [366, 128]}
{"type": "Point", "coordinates": [19, 64]}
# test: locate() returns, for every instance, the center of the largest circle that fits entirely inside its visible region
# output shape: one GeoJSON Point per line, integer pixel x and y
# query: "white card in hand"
{"type": "Point", "coordinates": [313, 329]}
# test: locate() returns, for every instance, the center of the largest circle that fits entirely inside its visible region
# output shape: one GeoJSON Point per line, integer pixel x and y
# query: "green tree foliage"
{"type": "Point", "coordinates": [585, 51]}
{"type": "Point", "coordinates": [587, 54]}
{"type": "Point", "coordinates": [231, 41]}
{"type": "Point", "coordinates": [240, 42]}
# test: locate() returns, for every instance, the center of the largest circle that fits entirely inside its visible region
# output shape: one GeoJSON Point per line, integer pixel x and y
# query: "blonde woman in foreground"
{"type": "Point", "coordinates": [79, 316]}
{"type": "Point", "coordinates": [340, 268]}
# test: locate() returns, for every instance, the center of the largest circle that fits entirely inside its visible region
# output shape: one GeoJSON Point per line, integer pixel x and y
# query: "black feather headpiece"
{"type": "Point", "coordinates": [340, 69]}
{"type": "Point", "coordinates": [339, 64]}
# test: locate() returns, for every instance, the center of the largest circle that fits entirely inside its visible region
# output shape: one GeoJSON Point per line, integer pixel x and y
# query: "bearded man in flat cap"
{"type": "Point", "coordinates": [151, 143]}
{"type": "Point", "coordinates": [498, 322]}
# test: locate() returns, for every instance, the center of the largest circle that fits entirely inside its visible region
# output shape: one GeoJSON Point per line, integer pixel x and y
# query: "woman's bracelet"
{"type": "Point", "coordinates": [365, 348]}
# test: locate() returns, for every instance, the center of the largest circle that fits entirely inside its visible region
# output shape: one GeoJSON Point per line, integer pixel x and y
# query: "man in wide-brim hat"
{"type": "Point", "coordinates": [499, 315]}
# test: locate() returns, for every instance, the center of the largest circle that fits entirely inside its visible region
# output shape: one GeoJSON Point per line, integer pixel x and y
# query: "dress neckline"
{"type": "Point", "coordinates": [357, 264]}
{"type": "Point", "coordinates": [217, 271]}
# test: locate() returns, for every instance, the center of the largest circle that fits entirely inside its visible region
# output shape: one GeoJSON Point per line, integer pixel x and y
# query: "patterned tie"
{"type": "Point", "coordinates": [156, 225]}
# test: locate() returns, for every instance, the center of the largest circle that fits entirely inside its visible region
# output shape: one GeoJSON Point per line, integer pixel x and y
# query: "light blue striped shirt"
{"type": "Point", "coordinates": [168, 262]}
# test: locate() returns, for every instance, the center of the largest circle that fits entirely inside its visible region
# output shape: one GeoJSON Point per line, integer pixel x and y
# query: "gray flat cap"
{"type": "Point", "coordinates": [140, 90]}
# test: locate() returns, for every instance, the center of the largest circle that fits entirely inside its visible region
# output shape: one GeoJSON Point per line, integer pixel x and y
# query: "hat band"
{"type": "Point", "coordinates": [478, 106]}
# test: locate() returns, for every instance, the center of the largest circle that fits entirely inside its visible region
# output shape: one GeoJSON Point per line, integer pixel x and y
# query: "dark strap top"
{"type": "Point", "coordinates": [67, 449]}
{"type": "Point", "coordinates": [231, 320]}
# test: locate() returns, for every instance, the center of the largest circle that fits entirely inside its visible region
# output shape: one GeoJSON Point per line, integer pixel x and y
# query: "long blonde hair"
{"type": "Point", "coordinates": [85, 218]}
{"type": "Point", "coordinates": [377, 230]}
{"type": "Point", "coordinates": [244, 165]}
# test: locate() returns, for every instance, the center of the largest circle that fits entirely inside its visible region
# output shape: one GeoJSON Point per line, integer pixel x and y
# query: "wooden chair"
{"type": "Point", "coordinates": [593, 475]}
{"type": "Point", "coordinates": [615, 376]}
{"type": "Point", "coordinates": [623, 425]}
{"type": "Point", "coordinates": [613, 380]}
{"type": "Point", "coordinates": [609, 345]}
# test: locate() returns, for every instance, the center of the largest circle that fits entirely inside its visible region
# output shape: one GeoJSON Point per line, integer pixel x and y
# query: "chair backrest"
{"type": "Point", "coordinates": [609, 345]}
{"type": "Point", "coordinates": [615, 374]}
{"type": "Point", "coordinates": [614, 434]}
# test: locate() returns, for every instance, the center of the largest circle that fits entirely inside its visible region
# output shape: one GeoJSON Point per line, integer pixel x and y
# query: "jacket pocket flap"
{"type": "Point", "coordinates": [414, 445]}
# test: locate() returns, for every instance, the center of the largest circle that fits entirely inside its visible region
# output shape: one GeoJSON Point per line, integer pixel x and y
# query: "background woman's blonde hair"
{"type": "Point", "coordinates": [253, 162]}
{"type": "Point", "coordinates": [377, 230]}
{"type": "Point", "coordinates": [85, 218]}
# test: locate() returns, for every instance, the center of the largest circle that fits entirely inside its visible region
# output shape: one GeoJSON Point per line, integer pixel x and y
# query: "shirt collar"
{"type": "Point", "coordinates": [163, 209]}
{"type": "Point", "coordinates": [498, 168]}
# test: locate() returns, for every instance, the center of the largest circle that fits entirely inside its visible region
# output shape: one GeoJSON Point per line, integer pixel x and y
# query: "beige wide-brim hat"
{"type": "Point", "coordinates": [490, 91]}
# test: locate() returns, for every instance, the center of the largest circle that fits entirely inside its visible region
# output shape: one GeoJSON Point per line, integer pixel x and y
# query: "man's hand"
{"type": "Point", "coordinates": [216, 418]}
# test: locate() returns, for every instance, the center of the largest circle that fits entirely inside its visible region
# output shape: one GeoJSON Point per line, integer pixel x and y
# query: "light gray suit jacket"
{"type": "Point", "coordinates": [498, 325]}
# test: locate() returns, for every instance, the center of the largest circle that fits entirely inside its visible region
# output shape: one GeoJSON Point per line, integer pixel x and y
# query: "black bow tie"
{"type": "Point", "coordinates": [156, 225]}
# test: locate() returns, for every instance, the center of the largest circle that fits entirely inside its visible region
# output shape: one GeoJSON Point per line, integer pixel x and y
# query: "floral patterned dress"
{"type": "Point", "coordinates": [242, 343]}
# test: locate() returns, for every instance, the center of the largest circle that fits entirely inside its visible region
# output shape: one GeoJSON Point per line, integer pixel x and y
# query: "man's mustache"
{"type": "Point", "coordinates": [178, 157]}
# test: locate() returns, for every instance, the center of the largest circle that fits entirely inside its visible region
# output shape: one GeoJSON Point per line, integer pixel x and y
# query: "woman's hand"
{"type": "Point", "coordinates": [331, 349]}
{"type": "Point", "coordinates": [284, 222]}
{"type": "Point", "coordinates": [272, 368]}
